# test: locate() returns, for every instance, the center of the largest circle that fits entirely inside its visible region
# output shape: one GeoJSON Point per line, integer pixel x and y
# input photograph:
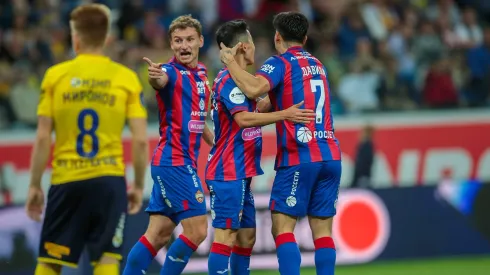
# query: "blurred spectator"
{"type": "Point", "coordinates": [351, 30]}
{"type": "Point", "coordinates": [380, 54]}
{"type": "Point", "coordinates": [379, 18]}
{"type": "Point", "coordinates": [469, 33]}
{"type": "Point", "coordinates": [439, 90]}
{"type": "Point", "coordinates": [479, 64]}
{"type": "Point", "coordinates": [444, 8]}
{"type": "Point", "coordinates": [364, 159]}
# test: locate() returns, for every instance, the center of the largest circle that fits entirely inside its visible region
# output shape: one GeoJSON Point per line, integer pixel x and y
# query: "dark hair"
{"type": "Point", "coordinates": [292, 26]}
{"type": "Point", "coordinates": [230, 32]}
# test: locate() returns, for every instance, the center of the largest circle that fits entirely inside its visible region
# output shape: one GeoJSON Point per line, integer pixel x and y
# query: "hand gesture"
{"type": "Point", "coordinates": [35, 203]}
{"type": "Point", "coordinates": [297, 115]}
{"type": "Point", "coordinates": [227, 55]}
{"type": "Point", "coordinates": [154, 69]}
{"type": "Point", "coordinates": [135, 200]}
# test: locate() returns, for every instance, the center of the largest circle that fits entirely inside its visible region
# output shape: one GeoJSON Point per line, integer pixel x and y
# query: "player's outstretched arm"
{"type": "Point", "coordinates": [39, 160]}
{"type": "Point", "coordinates": [157, 78]}
{"type": "Point", "coordinates": [252, 86]}
{"type": "Point", "coordinates": [293, 113]}
{"type": "Point", "coordinates": [139, 146]}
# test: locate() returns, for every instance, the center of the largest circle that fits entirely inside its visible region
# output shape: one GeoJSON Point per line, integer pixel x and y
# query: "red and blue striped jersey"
{"type": "Point", "coordinates": [182, 106]}
{"type": "Point", "coordinates": [236, 153]}
{"type": "Point", "coordinates": [296, 76]}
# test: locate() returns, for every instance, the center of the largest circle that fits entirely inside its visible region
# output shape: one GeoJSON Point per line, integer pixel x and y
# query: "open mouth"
{"type": "Point", "coordinates": [185, 54]}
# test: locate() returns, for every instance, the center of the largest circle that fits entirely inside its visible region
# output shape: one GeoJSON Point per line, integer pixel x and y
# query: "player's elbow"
{"type": "Point", "coordinates": [140, 144]}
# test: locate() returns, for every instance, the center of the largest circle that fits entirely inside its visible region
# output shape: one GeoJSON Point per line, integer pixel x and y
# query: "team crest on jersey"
{"type": "Point", "coordinates": [201, 104]}
{"type": "Point", "coordinates": [199, 196]}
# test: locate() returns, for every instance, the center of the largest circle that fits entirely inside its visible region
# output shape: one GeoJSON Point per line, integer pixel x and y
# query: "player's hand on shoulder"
{"type": "Point", "coordinates": [227, 55]}
{"type": "Point", "coordinates": [35, 203]}
{"type": "Point", "coordinates": [297, 115]}
{"type": "Point", "coordinates": [135, 200]}
{"type": "Point", "coordinates": [156, 76]}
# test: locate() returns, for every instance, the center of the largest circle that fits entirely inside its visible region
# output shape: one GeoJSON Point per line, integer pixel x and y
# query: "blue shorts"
{"type": "Point", "coordinates": [232, 204]}
{"type": "Point", "coordinates": [177, 193]}
{"type": "Point", "coordinates": [307, 189]}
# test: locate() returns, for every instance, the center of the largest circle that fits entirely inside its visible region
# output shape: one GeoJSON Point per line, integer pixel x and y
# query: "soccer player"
{"type": "Point", "coordinates": [182, 94]}
{"type": "Point", "coordinates": [235, 158]}
{"type": "Point", "coordinates": [86, 101]}
{"type": "Point", "coordinates": [308, 155]}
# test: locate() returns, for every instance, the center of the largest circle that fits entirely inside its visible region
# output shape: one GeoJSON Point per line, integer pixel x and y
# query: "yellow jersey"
{"type": "Point", "coordinates": [89, 99]}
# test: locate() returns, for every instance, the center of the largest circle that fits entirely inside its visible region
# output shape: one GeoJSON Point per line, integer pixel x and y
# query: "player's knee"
{"type": "Point", "coordinates": [225, 236]}
{"type": "Point", "coordinates": [196, 229]}
{"type": "Point", "coordinates": [320, 226]}
{"type": "Point", "coordinates": [246, 237]}
{"type": "Point", "coordinates": [159, 231]}
{"type": "Point", "coordinates": [282, 223]}
{"type": "Point", "coordinates": [47, 269]}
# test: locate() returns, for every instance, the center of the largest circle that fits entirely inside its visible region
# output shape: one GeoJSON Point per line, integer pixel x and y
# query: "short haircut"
{"type": "Point", "coordinates": [292, 26]}
{"type": "Point", "coordinates": [91, 23]}
{"type": "Point", "coordinates": [232, 32]}
{"type": "Point", "coordinates": [185, 21]}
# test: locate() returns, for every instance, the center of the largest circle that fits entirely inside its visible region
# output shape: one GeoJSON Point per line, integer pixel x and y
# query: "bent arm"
{"type": "Point", "coordinates": [252, 86]}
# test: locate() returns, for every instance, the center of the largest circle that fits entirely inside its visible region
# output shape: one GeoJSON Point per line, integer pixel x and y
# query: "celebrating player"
{"type": "Point", "coordinates": [86, 101]}
{"type": "Point", "coordinates": [235, 158]}
{"type": "Point", "coordinates": [308, 155]}
{"type": "Point", "coordinates": [177, 197]}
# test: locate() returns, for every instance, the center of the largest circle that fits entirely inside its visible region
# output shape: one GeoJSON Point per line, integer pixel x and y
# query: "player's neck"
{"type": "Point", "coordinates": [285, 46]}
{"type": "Point", "coordinates": [89, 51]}
{"type": "Point", "coordinates": [240, 60]}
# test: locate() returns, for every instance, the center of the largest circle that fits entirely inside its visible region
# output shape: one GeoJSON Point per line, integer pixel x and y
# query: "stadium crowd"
{"type": "Point", "coordinates": [381, 55]}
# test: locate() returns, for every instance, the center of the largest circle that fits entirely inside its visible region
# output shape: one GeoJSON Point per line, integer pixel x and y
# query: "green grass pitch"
{"type": "Point", "coordinates": [448, 266]}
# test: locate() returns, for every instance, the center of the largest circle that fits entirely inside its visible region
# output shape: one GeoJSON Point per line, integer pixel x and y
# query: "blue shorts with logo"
{"type": "Point", "coordinates": [307, 189]}
{"type": "Point", "coordinates": [232, 204]}
{"type": "Point", "coordinates": [177, 193]}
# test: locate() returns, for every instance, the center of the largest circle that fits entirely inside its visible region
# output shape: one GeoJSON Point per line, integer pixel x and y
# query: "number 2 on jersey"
{"type": "Point", "coordinates": [317, 84]}
{"type": "Point", "coordinates": [87, 132]}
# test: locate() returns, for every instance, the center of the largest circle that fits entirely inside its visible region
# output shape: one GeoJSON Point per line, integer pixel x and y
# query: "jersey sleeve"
{"type": "Point", "coordinates": [273, 71]}
{"type": "Point", "coordinates": [234, 99]}
{"type": "Point", "coordinates": [169, 70]}
{"type": "Point", "coordinates": [136, 107]}
{"type": "Point", "coordinates": [45, 107]}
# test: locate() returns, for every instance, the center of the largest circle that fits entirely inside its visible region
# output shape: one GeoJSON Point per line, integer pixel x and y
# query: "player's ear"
{"type": "Point", "coordinates": [305, 39]}
{"type": "Point", "coordinates": [277, 37]}
{"type": "Point", "coordinates": [201, 41]}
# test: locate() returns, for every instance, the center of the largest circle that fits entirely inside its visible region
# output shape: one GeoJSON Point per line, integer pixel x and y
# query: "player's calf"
{"type": "Point", "coordinates": [241, 252]}
{"type": "Point", "coordinates": [156, 236]}
{"type": "Point", "coordinates": [219, 257]}
{"type": "Point", "coordinates": [325, 254]}
{"type": "Point", "coordinates": [179, 253]}
{"type": "Point", "coordinates": [288, 253]}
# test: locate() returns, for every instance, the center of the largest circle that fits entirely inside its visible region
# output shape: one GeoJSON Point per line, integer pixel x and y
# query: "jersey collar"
{"type": "Point", "coordinates": [92, 56]}
{"type": "Point", "coordinates": [175, 60]}
{"type": "Point", "coordinates": [294, 49]}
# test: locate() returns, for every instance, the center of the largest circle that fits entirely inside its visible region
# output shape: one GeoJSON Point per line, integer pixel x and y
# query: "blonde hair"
{"type": "Point", "coordinates": [91, 23]}
{"type": "Point", "coordinates": [185, 21]}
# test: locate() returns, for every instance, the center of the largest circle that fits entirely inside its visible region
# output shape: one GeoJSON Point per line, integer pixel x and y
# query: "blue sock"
{"type": "Point", "coordinates": [140, 257]}
{"type": "Point", "coordinates": [178, 256]}
{"type": "Point", "coordinates": [240, 261]}
{"type": "Point", "coordinates": [325, 256]}
{"type": "Point", "coordinates": [219, 258]}
{"type": "Point", "coordinates": [288, 254]}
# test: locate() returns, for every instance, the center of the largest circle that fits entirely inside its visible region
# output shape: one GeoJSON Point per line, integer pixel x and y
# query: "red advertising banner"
{"type": "Point", "coordinates": [409, 152]}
